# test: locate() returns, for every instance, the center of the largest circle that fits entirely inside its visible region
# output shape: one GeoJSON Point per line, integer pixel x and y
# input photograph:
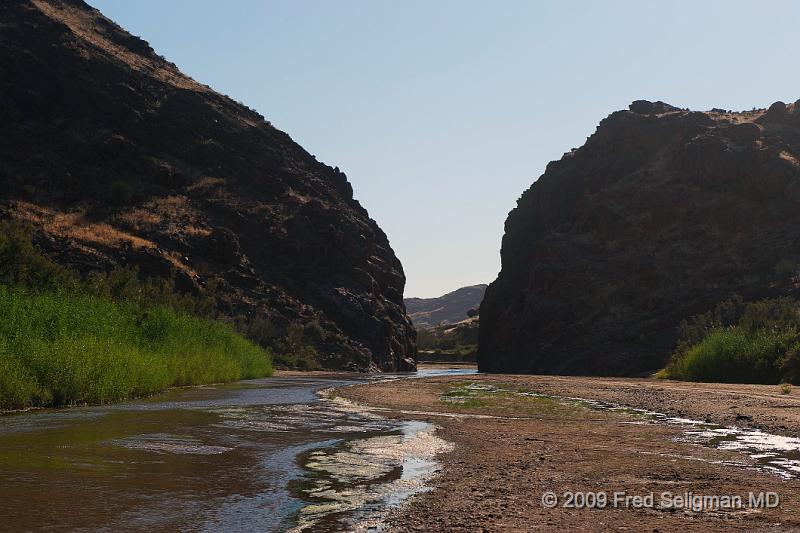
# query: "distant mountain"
{"type": "Point", "coordinates": [448, 309]}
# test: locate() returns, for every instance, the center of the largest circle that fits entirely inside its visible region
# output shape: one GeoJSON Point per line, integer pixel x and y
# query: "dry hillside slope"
{"type": "Point", "coordinates": [447, 309]}
{"type": "Point", "coordinates": [118, 158]}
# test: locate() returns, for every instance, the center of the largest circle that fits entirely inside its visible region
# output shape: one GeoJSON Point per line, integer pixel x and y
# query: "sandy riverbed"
{"type": "Point", "coordinates": [495, 477]}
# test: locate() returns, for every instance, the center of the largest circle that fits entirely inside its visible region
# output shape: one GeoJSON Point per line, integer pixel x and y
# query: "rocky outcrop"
{"type": "Point", "coordinates": [448, 309]}
{"type": "Point", "coordinates": [120, 159]}
{"type": "Point", "coordinates": [662, 214]}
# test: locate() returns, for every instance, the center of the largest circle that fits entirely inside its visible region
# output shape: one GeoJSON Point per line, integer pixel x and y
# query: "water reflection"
{"type": "Point", "coordinates": [204, 458]}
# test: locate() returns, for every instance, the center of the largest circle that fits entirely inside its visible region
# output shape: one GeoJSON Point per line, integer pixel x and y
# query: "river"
{"type": "Point", "coordinates": [260, 455]}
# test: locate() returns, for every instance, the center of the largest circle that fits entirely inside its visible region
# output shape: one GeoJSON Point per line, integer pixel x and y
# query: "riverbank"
{"type": "Point", "coordinates": [74, 348]}
{"type": "Point", "coordinates": [512, 446]}
{"type": "Point", "coordinates": [68, 339]}
{"type": "Point", "coordinates": [207, 458]}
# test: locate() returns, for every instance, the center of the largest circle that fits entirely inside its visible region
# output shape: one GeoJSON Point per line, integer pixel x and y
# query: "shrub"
{"type": "Point", "coordinates": [259, 328]}
{"type": "Point", "coordinates": [50, 368]}
{"type": "Point", "coordinates": [735, 356]}
{"type": "Point", "coordinates": [125, 284]}
{"type": "Point", "coordinates": [296, 349]}
{"type": "Point", "coordinates": [303, 359]}
{"type": "Point", "coordinates": [785, 269]}
{"type": "Point", "coordinates": [71, 348]}
{"type": "Point", "coordinates": [449, 342]}
{"type": "Point", "coordinates": [110, 337]}
{"type": "Point", "coordinates": [694, 330]}
{"type": "Point", "coordinates": [122, 192]}
{"type": "Point", "coordinates": [17, 387]}
{"type": "Point", "coordinates": [757, 342]}
{"type": "Point", "coordinates": [21, 263]}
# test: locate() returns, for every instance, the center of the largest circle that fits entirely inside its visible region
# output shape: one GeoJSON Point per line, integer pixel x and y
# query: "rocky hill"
{"type": "Point", "coordinates": [117, 158]}
{"type": "Point", "coordinates": [662, 214]}
{"type": "Point", "coordinates": [447, 309]}
{"type": "Point", "coordinates": [457, 341]}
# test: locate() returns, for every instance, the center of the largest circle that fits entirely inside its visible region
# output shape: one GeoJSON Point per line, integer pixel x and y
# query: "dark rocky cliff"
{"type": "Point", "coordinates": [118, 158]}
{"type": "Point", "coordinates": [662, 214]}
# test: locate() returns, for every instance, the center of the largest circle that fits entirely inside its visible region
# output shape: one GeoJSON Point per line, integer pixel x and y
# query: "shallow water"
{"type": "Point", "coordinates": [772, 453]}
{"type": "Point", "coordinates": [249, 456]}
{"type": "Point", "coordinates": [776, 454]}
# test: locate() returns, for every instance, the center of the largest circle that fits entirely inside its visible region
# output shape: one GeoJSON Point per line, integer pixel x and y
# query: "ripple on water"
{"type": "Point", "coordinates": [351, 487]}
{"type": "Point", "coordinates": [326, 418]}
{"type": "Point", "coordinates": [167, 443]}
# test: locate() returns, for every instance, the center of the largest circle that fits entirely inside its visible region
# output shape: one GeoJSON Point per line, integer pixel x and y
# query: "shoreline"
{"type": "Point", "coordinates": [275, 374]}
{"type": "Point", "coordinates": [502, 465]}
{"type": "Point", "coordinates": [747, 406]}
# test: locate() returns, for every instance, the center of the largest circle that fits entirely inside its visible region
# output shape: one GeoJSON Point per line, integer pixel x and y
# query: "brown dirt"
{"type": "Point", "coordinates": [500, 467]}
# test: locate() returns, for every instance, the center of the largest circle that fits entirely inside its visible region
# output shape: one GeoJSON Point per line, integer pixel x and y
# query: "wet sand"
{"type": "Point", "coordinates": [519, 447]}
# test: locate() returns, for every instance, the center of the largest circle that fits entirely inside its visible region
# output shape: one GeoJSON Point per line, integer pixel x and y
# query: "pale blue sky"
{"type": "Point", "coordinates": [443, 112]}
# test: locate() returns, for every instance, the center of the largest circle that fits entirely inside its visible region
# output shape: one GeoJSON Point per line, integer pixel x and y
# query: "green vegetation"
{"type": "Point", "coordinates": [465, 395]}
{"type": "Point", "coordinates": [448, 343]}
{"type": "Point", "coordinates": [786, 269]}
{"type": "Point", "coordinates": [68, 348]}
{"type": "Point", "coordinates": [108, 338]}
{"type": "Point", "coordinates": [121, 193]}
{"type": "Point", "coordinates": [507, 399]}
{"type": "Point", "coordinates": [22, 264]}
{"type": "Point", "coordinates": [459, 353]}
{"type": "Point", "coordinates": [292, 347]}
{"type": "Point", "coordinates": [296, 349]}
{"type": "Point", "coordinates": [739, 342]}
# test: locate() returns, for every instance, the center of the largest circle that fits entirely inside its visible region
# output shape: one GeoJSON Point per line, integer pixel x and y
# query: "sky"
{"type": "Point", "coordinates": [442, 113]}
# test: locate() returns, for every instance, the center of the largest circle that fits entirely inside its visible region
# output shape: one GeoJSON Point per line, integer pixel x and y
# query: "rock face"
{"type": "Point", "coordinates": [120, 159]}
{"type": "Point", "coordinates": [447, 309]}
{"type": "Point", "coordinates": [662, 214]}
{"type": "Point", "coordinates": [463, 333]}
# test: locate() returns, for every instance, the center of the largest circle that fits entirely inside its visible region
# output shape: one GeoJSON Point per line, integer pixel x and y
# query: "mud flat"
{"type": "Point", "coordinates": [697, 450]}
